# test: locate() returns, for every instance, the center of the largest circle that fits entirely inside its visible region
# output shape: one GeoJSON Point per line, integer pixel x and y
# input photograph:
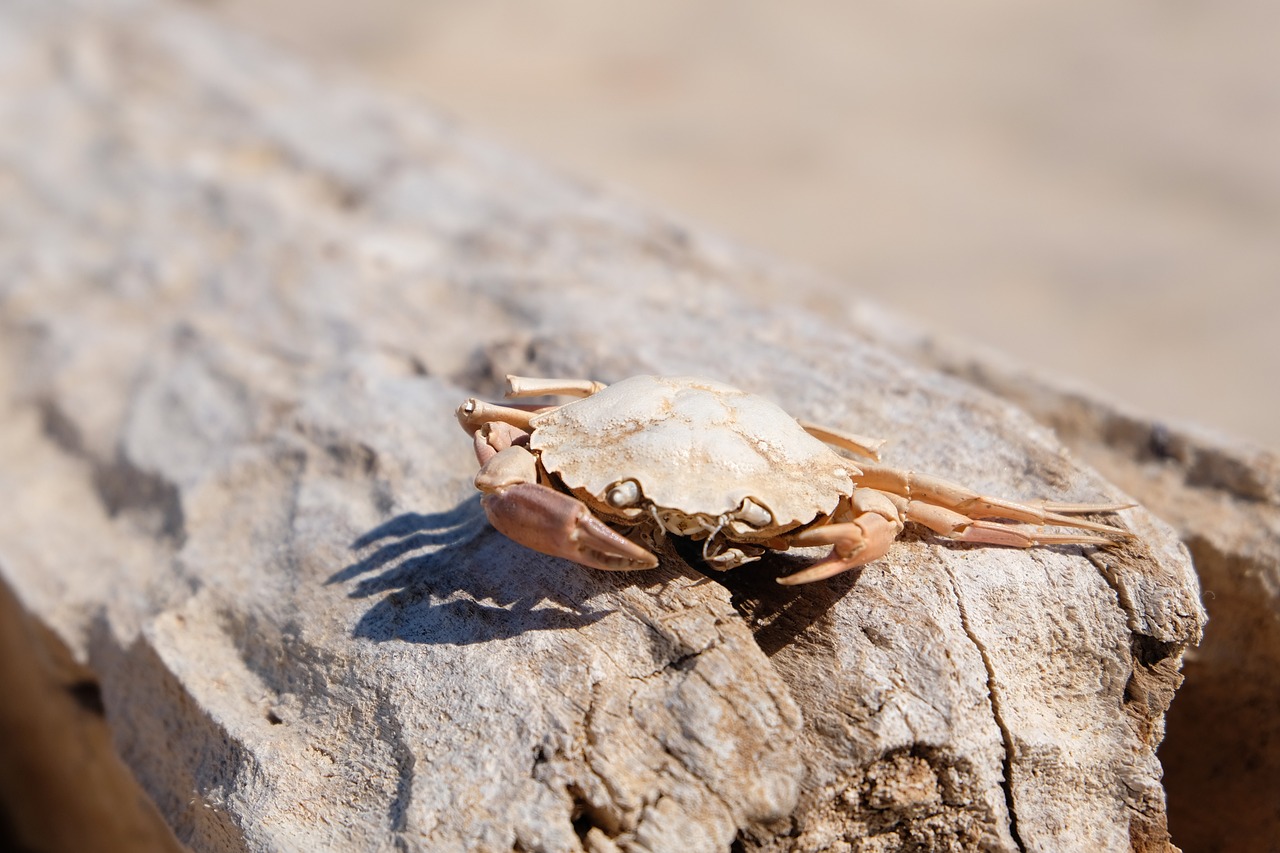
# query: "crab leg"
{"type": "Point", "coordinates": [878, 517]}
{"type": "Point", "coordinates": [859, 444]}
{"type": "Point", "coordinates": [528, 386]}
{"type": "Point", "coordinates": [543, 519]}
{"type": "Point", "coordinates": [964, 528]}
{"type": "Point", "coordinates": [474, 414]}
{"type": "Point", "coordinates": [876, 524]}
{"type": "Point", "coordinates": [944, 494]}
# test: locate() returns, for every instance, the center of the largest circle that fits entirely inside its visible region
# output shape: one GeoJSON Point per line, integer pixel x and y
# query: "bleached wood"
{"type": "Point", "coordinates": [241, 301]}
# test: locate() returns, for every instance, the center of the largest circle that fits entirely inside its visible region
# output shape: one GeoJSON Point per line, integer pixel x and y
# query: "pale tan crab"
{"type": "Point", "coordinates": [598, 479]}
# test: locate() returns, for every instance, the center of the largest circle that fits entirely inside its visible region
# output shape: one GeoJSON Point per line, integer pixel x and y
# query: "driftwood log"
{"type": "Point", "coordinates": [240, 301]}
{"type": "Point", "coordinates": [1222, 751]}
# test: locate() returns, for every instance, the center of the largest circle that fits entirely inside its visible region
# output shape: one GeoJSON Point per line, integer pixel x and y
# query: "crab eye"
{"type": "Point", "coordinates": [623, 494]}
{"type": "Point", "coordinates": [754, 514]}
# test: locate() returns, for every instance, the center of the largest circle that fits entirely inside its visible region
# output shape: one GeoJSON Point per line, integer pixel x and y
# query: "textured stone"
{"type": "Point", "coordinates": [1222, 753]}
{"type": "Point", "coordinates": [240, 302]}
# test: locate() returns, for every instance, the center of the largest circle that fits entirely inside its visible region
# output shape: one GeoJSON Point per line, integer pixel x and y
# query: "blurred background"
{"type": "Point", "coordinates": [1091, 187]}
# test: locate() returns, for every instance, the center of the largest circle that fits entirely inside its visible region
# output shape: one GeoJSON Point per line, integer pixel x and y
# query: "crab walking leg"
{"type": "Point", "coordinates": [549, 521]}
{"type": "Point", "coordinates": [474, 414]}
{"type": "Point", "coordinates": [963, 528]}
{"type": "Point", "coordinates": [529, 386]}
{"type": "Point", "coordinates": [859, 444]}
{"type": "Point", "coordinates": [878, 519]}
{"type": "Point", "coordinates": [926, 489]}
{"type": "Point", "coordinates": [876, 524]}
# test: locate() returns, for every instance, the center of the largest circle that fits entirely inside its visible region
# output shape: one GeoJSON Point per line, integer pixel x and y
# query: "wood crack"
{"type": "Point", "coordinates": [996, 714]}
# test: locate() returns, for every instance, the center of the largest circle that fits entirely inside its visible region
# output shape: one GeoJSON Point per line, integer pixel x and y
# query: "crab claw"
{"type": "Point", "coordinates": [557, 524]}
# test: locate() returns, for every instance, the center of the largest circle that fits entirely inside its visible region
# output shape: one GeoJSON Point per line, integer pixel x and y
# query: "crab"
{"type": "Point", "coordinates": [603, 479]}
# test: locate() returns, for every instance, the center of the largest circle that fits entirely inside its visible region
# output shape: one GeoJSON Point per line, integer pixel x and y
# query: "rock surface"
{"type": "Point", "coordinates": [1222, 754]}
{"type": "Point", "coordinates": [239, 303]}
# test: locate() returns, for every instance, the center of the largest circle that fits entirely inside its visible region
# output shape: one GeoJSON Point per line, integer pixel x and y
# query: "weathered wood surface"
{"type": "Point", "coordinates": [1222, 753]}
{"type": "Point", "coordinates": [240, 301]}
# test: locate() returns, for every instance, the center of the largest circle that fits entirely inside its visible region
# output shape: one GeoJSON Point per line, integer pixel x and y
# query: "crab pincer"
{"type": "Point", "coordinates": [557, 524]}
{"type": "Point", "coordinates": [537, 516]}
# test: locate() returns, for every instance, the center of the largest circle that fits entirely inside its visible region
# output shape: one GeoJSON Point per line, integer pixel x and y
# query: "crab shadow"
{"type": "Point", "coordinates": [777, 615]}
{"type": "Point", "coordinates": [450, 578]}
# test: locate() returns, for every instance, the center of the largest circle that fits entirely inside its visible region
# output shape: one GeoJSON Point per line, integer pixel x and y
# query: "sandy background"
{"type": "Point", "coordinates": [1089, 186]}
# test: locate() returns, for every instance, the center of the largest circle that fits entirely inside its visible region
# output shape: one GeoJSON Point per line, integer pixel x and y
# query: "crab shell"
{"type": "Point", "coordinates": [704, 458]}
